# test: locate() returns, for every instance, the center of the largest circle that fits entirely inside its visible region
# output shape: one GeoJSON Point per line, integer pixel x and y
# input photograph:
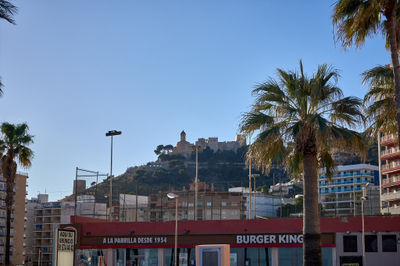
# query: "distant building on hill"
{"type": "Point", "coordinates": [186, 148]}
{"type": "Point", "coordinates": [183, 147]}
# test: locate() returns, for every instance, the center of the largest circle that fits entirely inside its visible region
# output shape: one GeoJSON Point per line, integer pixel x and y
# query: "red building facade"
{"type": "Point", "coordinates": [272, 242]}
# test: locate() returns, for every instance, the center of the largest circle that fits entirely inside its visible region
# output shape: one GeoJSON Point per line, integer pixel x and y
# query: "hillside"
{"type": "Point", "coordinates": [222, 169]}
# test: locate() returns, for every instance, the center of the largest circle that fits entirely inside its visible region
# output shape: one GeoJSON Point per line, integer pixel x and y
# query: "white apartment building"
{"type": "Point", "coordinates": [341, 196]}
{"type": "Point", "coordinates": [44, 217]}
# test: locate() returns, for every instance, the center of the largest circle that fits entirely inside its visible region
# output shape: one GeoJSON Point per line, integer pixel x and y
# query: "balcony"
{"type": "Point", "coordinates": [339, 190]}
{"type": "Point", "coordinates": [341, 176]}
{"type": "Point", "coordinates": [388, 139]}
{"type": "Point", "coordinates": [390, 153]}
{"type": "Point", "coordinates": [390, 196]}
{"type": "Point", "coordinates": [391, 167]}
{"type": "Point", "coordinates": [392, 210]}
{"type": "Point", "coordinates": [391, 181]}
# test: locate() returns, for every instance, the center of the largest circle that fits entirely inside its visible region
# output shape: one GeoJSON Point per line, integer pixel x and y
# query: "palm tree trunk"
{"type": "Point", "coordinates": [311, 224]}
{"type": "Point", "coordinates": [389, 12]}
{"type": "Point", "coordinates": [9, 169]}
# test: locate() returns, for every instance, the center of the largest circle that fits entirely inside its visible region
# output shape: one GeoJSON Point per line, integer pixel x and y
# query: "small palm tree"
{"type": "Point", "coordinates": [302, 118]}
{"type": "Point", "coordinates": [379, 100]}
{"type": "Point", "coordinates": [356, 20]}
{"type": "Point", "coordinates": [13, 146]}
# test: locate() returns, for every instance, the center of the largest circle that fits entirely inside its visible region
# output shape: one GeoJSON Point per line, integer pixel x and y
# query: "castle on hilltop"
{"type": "Point", "coordinates": [186, 148]}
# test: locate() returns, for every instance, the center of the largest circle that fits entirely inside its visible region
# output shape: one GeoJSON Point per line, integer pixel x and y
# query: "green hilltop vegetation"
{"type": "Point", "coordinates": [221, 169]}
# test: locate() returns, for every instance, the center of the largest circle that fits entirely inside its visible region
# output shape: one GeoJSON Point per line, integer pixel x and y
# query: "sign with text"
{"type": "Point", "coordinates": [167, 241]}
{"type": "Point", "coordinates": [65, 247]}
{"type": "Point", "coordinates": [270, 239]}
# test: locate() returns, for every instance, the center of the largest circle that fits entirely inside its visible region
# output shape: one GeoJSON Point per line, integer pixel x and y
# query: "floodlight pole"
{"type": "Point", "coordinates": [111, 134]}
{"type": "Point", "coordinates": [175, 196]}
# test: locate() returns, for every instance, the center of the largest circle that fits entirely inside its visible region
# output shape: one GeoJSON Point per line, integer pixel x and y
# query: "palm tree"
{"type": "Point", "coordinates": [7, 11]}
{"type": "Point", "coordinates": [357, 19]}
{"type": "Point", "coordinates": [302, 118]}
{"type": "Point", "coordinates": [13, 146]}
{"type": "Point", "coordinates": [379, 100]}
{"type": "Point", "coordinates": [1, 87]}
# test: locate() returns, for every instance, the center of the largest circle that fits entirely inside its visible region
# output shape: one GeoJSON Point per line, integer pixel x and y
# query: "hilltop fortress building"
{"type": "Point", "coordinates": [186, 148]}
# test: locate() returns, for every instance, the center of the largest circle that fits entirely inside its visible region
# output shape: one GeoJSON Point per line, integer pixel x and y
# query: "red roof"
{"type": "Point", "coordinates": [279, 225]}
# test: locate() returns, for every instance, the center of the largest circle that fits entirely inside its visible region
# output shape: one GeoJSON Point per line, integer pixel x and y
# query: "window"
{"type": "Point", "coordinates": [209, 204]}
{"type": "Point", "coordinates": [389, 243]}
{"type": "Point", "coordinates": [350, 243]}
{"type": "Point", "coordinates": [223, 204]}
{"type": "Point", "coordinates": [371, 243]}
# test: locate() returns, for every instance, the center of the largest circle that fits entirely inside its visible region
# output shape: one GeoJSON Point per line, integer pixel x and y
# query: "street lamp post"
{"type": "Point", "coordinates": [255, 195]}
{"type": "Point", "coordinates": [174, 196]}
{"type": "Point", "coordinates": [250, 188]}
{"type": "Point", "coordinates": [111, 134]}
{"type": "Point", "coordinates": [363, 198]}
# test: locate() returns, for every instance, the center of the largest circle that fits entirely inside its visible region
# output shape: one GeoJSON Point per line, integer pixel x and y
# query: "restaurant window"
{"type": "Point", "coordinates": [389, 243]}
{"type": "Point", "coordinates": [290, 256]}
{"type": "Point", "coordinates": [349, 243]}
{"type": "Point", "coordinates": [371, 243]}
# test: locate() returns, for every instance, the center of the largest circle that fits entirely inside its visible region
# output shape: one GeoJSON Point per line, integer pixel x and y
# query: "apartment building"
{"type": "Point", "coordinates": [210, 206]}
{"type": "Point", "coordinates": [44, 217]}
{"type": "Point", "coordinates": [390, 157]}
{"type": "Point", "coordinates": [341, 196]}
{"type": "Point", "coordinates": [17, 219]}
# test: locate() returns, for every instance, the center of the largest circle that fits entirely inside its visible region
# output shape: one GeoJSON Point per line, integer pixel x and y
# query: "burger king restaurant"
{"type": "Point", "coordinates": [271, 242]}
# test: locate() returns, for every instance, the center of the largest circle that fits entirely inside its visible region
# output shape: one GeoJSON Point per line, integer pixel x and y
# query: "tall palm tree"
{"type": "Point", "coordinates": [357, 19]}
{"type": "Point", "coordinates": [379, 101]}
{"type": "Point", "coordinates": [14, 148]}
{"type": "Point", "coordinates": [303, 118]}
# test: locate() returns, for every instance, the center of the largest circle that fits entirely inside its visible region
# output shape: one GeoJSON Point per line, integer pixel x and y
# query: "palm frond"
{"type": "Point", "coordinates": [7, 11]}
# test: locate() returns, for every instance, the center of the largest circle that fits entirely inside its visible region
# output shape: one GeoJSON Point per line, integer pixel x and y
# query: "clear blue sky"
{"type": "Point", "coordinates": [75, 69]}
